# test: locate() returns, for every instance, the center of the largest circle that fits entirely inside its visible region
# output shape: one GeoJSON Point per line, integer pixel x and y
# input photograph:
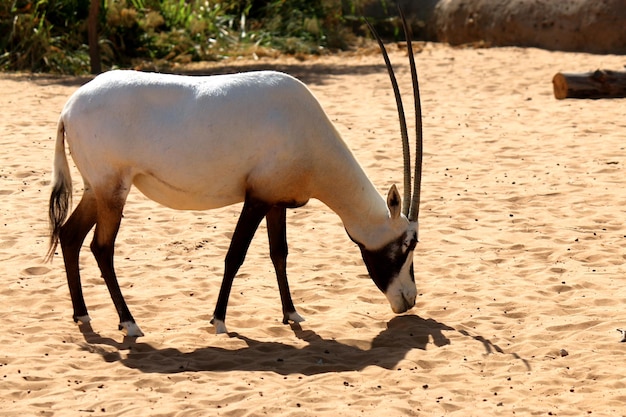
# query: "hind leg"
{"type": "Point", "coordinates": [72, 236]}
{"type": "Point", "coordinates": [277, 233]}
{"type": "Point", "coordinates": [108, 220]}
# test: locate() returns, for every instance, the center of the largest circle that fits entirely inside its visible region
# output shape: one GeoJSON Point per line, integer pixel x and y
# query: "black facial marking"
{"type": "Point", "coordinates": [385, 263]}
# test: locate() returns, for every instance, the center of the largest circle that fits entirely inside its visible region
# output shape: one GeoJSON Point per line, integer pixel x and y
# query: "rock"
{"type": "Point", "coordinates": [567, 25]}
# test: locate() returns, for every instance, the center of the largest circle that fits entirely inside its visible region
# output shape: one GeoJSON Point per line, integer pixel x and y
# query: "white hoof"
{"type": "Point", "coordinates": [84, 319]}
{"type": "Point", "coordinates": [131, 329]}
{"type": "Point", "coordinates": [295, 317]}
{"type": "Point", "coordinates": [220, 326]}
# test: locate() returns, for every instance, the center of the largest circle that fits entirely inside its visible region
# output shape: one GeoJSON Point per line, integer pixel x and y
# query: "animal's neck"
{"type": "Point", "coordinates": [351, 195]}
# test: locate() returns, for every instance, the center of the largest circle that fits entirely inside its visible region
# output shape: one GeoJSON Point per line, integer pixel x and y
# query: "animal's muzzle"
{"type": "Point", "coordinates": [404, 304]}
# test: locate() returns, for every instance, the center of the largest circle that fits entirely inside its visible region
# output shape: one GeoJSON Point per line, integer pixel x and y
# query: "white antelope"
{"type": "Point", "coordinates": [197, 143]}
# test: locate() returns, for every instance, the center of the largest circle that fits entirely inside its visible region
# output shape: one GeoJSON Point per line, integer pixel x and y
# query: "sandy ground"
{"type": "Point", "coordinates": [520, 268]}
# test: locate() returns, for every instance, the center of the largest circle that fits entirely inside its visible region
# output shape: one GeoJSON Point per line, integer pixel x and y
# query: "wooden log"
{"type": "Point", "coordinates": [596, 84]}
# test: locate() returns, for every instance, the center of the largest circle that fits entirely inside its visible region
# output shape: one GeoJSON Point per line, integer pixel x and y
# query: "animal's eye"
{"type": "Point", "coordinates": [409, 243]}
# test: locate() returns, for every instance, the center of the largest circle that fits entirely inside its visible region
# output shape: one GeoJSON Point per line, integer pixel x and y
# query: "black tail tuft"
{"type": "Point", "coordinates": [57, 211]}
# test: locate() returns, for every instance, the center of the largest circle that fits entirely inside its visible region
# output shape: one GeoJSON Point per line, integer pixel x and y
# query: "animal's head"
{"type": "Point", "coordinates": [391, 265]}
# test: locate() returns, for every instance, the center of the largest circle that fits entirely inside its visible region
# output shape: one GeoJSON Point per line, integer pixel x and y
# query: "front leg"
{"type": "Point", "coordinates": [249, 220]}
{"type": "Point", "coordinates": [277, 234]}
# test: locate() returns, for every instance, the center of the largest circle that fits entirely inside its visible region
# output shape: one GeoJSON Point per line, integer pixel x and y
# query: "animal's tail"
{"type": "Point", "coordinates": [61, 195]}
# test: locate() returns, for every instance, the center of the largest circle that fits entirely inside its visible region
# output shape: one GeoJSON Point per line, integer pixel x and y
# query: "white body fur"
{"type": "Point", "coordinates": [197, 143]}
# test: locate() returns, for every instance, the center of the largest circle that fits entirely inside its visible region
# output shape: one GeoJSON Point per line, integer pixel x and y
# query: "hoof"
{"type": "Point", "coordinates": [131, 329]}
{"type": "Point", "coordinates": [82, 319]}
{"type": "Point", "coordinates": [220, 326]}
{"type": "Point", "coordinates": [293, 317]}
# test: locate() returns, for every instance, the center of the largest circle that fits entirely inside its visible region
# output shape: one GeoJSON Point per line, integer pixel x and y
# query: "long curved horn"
{"type": "Point", "coordinates": [406, 201]}
{"type": "Point", "coordinates": [419, 148]}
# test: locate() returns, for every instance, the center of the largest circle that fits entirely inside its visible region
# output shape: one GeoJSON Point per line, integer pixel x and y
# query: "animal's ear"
{"type": "Point", "coordinates": [394, 202]}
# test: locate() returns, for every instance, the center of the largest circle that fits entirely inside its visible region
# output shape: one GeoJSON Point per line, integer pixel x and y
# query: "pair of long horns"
{"type": "Point", "coordinates": [410, 204]}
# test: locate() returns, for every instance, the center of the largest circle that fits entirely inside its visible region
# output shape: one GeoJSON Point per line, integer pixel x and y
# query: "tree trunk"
{"type": "Point", "coordinates": [597, 84]}
{"type": "Point", "coordinates": [92, 32]}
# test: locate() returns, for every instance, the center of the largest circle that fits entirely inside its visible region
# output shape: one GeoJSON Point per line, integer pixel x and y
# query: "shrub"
{"type": "Point", "coordinates": [51, 35]}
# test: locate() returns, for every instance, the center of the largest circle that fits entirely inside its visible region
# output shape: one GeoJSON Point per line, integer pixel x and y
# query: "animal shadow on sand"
{"type": "Point", "coordinates": [387, 350]}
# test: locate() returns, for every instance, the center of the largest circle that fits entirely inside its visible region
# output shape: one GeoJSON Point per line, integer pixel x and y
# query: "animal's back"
{"type": "Point", "coordinates": [197, 142]}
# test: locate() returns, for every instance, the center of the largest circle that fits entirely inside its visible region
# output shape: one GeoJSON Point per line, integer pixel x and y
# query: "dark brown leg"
{"type": "Point", "coordinates": [72, 236]}
{"type": "Point", "coordinates": [277, 233]}
{"type": "Point", "coordinates": [249, 220]}
{"type": "Point", "coordinates": [103, 247]}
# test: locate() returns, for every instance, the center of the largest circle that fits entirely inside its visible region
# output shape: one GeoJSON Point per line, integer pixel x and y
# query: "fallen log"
{"type": "Point", "coordinates": [596, 84]}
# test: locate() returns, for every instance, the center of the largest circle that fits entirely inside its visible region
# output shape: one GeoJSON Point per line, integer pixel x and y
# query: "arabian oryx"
{"type": "Point", "coordinates": [197, 143]}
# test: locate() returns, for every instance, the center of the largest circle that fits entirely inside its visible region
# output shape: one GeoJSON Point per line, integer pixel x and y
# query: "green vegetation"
{"type": "Point", "coordinates": [51, 35]}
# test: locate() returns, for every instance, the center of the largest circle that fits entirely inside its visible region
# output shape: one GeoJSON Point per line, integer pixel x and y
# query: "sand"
{"type": "Point", "coordinates": [519, 270]}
